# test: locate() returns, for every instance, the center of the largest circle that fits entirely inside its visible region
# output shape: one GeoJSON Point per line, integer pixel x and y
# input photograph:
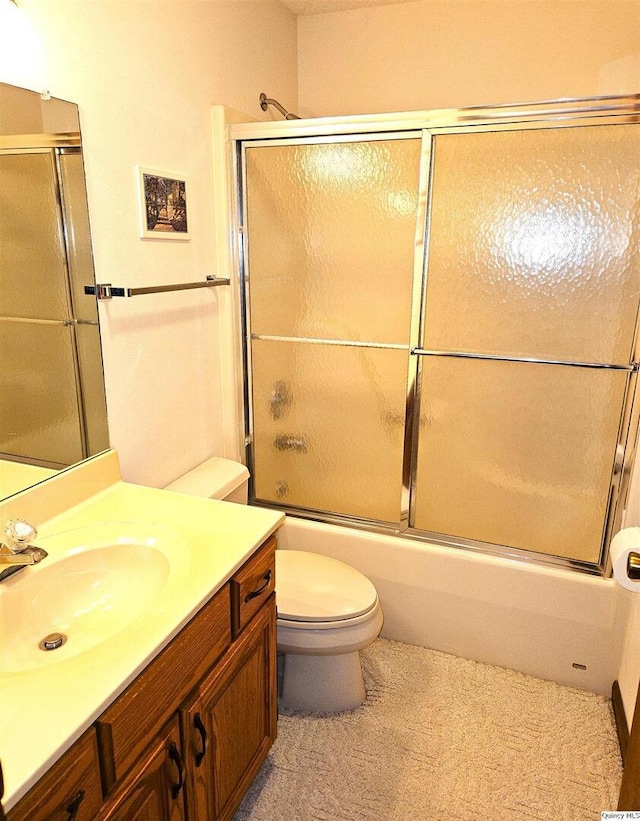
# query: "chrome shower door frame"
{"type": "Point", "coordinates": [242, 255]}
{"type": "Point", "coordinates": [430, 124]}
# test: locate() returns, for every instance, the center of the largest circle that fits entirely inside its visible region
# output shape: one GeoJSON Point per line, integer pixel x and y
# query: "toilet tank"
{"type": "Point", "coordinates": [216, 478]}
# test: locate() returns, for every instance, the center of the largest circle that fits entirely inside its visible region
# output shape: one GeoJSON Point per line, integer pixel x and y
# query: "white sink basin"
{"type": "Point", "coordinates": [96, 581]}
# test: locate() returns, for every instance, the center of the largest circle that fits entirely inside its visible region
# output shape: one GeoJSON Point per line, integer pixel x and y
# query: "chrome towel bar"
{"type": "Point", "coordinates": [106, 290]}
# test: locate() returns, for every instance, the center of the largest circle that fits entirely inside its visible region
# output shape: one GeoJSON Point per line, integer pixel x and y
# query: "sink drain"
{"type": "Point", "coordinates": [52, 641]}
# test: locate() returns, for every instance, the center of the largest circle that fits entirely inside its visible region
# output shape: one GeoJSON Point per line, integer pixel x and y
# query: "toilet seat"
{"type": "Point", "coordinates": [318, 592]}
{"type": "Point", "coordinates": [301, 624]}
{"type": "Point", "coordinates": [329, 638]}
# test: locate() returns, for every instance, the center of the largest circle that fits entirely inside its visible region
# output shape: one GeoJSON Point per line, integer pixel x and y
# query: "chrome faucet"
{"type": "Point", "coordinates": [15, 549]}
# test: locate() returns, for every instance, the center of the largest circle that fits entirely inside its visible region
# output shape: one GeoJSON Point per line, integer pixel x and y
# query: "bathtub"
{"type": "Point", "coordinates": [548, 622]}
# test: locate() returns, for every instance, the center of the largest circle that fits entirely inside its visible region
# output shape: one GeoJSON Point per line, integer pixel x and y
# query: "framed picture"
{"type": "Point", "coordinates": [162, 205]}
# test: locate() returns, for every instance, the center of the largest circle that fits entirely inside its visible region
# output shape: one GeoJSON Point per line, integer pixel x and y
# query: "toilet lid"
{"type": "Point", "coordinates": [311, 587]}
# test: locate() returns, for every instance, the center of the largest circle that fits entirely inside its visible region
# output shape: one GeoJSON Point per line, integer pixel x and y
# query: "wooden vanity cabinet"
{"type": "Point", "coordinates": [227, 721]}
{"type": "Point", "coordinates": [186, 738]}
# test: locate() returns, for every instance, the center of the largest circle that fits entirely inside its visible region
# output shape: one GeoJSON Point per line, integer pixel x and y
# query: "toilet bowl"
{"type": "Point", "coordinates": [327, 613]}
{"type": "Point", "coordinates": [327, 610]}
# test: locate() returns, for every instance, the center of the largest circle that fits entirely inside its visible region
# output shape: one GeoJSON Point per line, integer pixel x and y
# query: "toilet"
{"type": "Point", "coordinates": [327, 613]}
{"type": "Point", "coordinates": [327, 610]}
{"type": "Point", "coordinates": [216, 478]}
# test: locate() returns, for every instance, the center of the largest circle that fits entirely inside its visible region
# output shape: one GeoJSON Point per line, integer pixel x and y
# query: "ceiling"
{"type": "Point", "coordinates": [300, 7]}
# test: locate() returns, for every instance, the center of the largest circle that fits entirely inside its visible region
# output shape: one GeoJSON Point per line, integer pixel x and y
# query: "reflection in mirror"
{"type": "Point", "coordinates": [52, 404]}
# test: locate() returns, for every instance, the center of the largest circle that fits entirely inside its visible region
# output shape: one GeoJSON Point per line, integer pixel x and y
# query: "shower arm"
{"type": "Point", "coordinates": [265, 102]}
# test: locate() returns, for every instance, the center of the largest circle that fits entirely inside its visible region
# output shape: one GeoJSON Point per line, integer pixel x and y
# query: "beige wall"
{"type": "Point", "coordinates": [145, 74]}
{"type": "Point", "coordinates": [451, 53]}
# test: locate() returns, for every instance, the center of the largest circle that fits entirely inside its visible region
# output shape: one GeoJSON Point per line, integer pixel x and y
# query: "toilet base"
{"type": "Point", "coordinates": [322, 684]}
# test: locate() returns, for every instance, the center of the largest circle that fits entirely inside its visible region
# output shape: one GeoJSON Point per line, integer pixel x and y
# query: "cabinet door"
{"type": "Point", "coordinates": [230, 726]}
{"type": "Point", "coordinates": [155, 790]}
{"type": "Point", "coordinates": [70, 790]}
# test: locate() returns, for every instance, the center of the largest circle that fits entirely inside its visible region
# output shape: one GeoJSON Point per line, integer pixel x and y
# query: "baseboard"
{"type": "Point", "coordinates": [620, 718]}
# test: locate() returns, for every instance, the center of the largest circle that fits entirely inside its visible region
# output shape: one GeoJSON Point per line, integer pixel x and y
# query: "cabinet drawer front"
{"type": "Point", "coordinates": [126, 728]}
{"type": "Point", "coordinates": [252, 585]}
{"type": "Point", "coordinates": [72, 783]}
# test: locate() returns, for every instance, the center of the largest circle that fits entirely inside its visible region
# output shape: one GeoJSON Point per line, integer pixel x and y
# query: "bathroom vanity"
{"type": "Point", "coordinates": [172, 715]}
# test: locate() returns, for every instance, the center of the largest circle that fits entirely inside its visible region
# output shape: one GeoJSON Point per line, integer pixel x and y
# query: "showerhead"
{"type": "Point", "coordinates": [265, 102]}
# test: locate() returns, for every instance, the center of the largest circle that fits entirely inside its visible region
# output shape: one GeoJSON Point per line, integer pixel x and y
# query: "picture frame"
{"type": "Point", "coordinates": [162, 204]}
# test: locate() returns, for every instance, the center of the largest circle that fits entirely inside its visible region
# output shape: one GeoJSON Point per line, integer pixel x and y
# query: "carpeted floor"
{"type": "Point", "coordinates": [443, 738]}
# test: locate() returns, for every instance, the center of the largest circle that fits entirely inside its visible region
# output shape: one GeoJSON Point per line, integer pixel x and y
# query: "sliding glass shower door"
{"type": "Point", "coordinates": [330, 245]}
{"type": "Point", "coordinates": [529, 321]}
{"type": "Point", "coordinates": [441, 330]}
{"type": "Point", "coordinates": [40, 418]}
{"type": "Point", "coordinates": [53, 410]}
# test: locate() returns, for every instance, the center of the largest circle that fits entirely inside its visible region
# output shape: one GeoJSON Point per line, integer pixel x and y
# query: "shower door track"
{"type": "Point", "coordinates": [380, 528]}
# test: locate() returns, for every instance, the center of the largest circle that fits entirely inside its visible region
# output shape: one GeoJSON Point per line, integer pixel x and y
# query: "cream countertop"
{"type": "Point", "coordinates": [15, 476]}
{"type": "Point", "coordinates": [44, 710]}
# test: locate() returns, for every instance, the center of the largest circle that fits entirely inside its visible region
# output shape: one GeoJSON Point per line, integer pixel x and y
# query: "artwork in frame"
{"type": "Point", "coordinates": [162, 205]}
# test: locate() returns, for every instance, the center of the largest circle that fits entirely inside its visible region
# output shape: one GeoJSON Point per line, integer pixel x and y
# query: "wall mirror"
{"type": "Point", "coordinates": [52, 399]}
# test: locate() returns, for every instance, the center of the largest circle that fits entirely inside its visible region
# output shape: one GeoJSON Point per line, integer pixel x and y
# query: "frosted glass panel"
{"type": "Point", "coordinates": [76, 215]}
{"type": "Point", "coordinates": [38, 396]}
{"type": "Point", "coordinates": [329, 426]}
{"type": "Point", "coordinates": [534, 243]}
{"type": "Point", "coordinates": [92, 387]}
{"type": "Point", "coordinates": [331, 239]}
{"type": "Point", "coordinates": [32, 259]}
{"type": "Point", "coordinates": [517, 454]}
